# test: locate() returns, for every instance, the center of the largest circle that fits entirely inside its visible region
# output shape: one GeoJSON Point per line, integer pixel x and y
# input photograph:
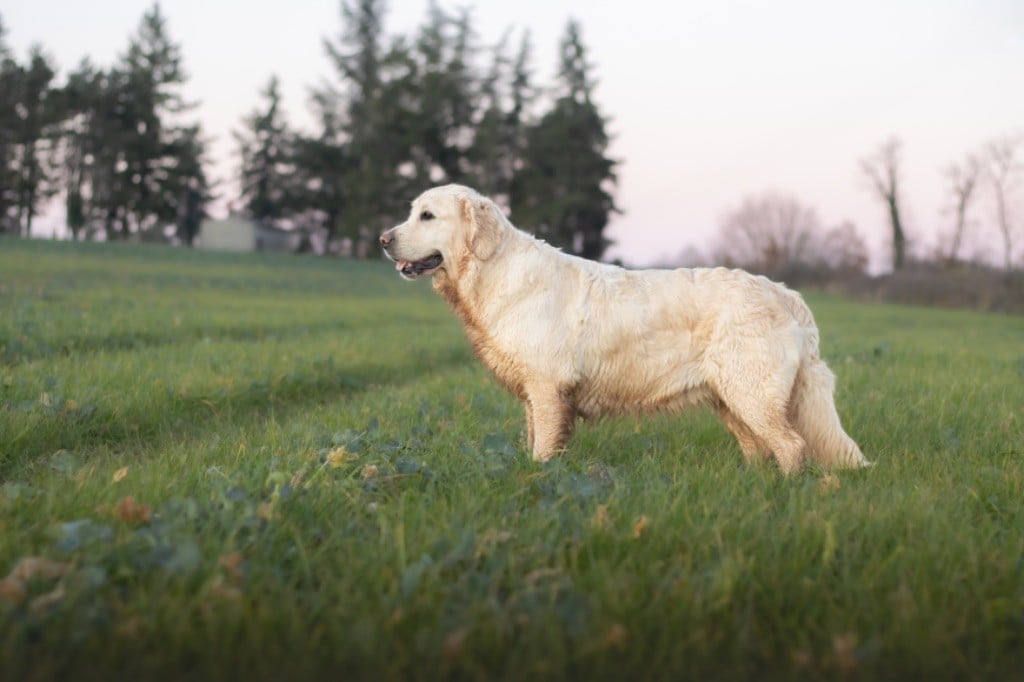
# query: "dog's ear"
{"type": "Point", "coordinates": [484, 226]}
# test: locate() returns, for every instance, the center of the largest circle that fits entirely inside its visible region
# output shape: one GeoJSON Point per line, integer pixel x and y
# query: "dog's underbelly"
{"type": "Point", "coordinates": [641, 389]}
{"type": "Point", "coordinates": [624, 372]}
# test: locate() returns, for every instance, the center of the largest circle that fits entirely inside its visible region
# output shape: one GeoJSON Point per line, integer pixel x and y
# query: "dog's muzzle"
{"type": "Point", "coordinates": [409, 269]}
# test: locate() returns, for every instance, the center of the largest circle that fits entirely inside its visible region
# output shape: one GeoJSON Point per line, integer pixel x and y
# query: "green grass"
{"type": "Point", "coordinates": [323, 482]}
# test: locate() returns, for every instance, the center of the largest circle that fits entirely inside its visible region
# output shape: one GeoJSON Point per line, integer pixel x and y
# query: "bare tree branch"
{"type": "Point", "coordinates": [1004, 173]}
{"type": "Point", "coordinates": [775, 232]}
{"type": "Point", "coordinates": [963, 181]}
{"type": "Point", "coordinates": [883, 171]}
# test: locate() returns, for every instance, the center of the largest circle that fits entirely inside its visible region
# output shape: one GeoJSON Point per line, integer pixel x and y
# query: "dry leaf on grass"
{"type": "Point", "coordinates": [130, 511]}
{"type": "Point", "coordinates": [616, 636]}
{"type": "Point", "coordinates": [44, 602]}
{"type": "Point", "coordinates": [338, 457]}
{"type": "Point", "coordinates": [14, 588]}
{"type": "Point", "coordinates": [38, 567]}
{"type": "Point", "coordinates": [538, 574]}
{"type": "Point", "coordinates": [640, 525]}
{"type": "Point", "coordinates": [828, 483]}
{"type": "Point", "coordinates": [232, 563]}
{"type": "Point", "coordinates": [453, 643]}
{"type": "Point", "coordinates": [13, 592]}
{"type": "Point", "coordinates": [265, 511]}
{"type": "Point", "coordinates": [844, 648]}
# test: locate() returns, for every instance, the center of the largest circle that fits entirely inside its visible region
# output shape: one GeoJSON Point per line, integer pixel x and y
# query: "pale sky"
{"type": "Point", "coordinates": [708, 102]}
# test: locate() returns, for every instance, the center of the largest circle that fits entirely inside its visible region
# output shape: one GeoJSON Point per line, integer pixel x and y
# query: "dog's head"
{"type": "Point", "coordinates": [446, 224]}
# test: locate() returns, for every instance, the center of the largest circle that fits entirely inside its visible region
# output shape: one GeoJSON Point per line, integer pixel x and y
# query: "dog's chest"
{"type": "Point", "coordinates": [503, 365]}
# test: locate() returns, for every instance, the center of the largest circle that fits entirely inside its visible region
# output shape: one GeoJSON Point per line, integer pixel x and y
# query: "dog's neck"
{"type": "Point", "coordinates": [470, 289]}
{"type": "Point", "coordinates": [467, 294]}
{"type": "Point", "coordinates": [458, 291]}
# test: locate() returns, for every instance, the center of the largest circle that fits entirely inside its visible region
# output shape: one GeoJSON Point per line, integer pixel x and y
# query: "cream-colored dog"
{"type": "Point", "coordinates": [574, 338]}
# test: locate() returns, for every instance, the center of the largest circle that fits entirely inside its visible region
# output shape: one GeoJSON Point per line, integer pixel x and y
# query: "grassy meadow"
{"type": "Point", "coordinates": [269, 467]}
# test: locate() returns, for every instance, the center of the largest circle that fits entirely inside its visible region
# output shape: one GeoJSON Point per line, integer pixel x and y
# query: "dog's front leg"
{"type": "Point", "coordinates": [549, 420]}
{"type": "Point", "coordinates": [529, 424]}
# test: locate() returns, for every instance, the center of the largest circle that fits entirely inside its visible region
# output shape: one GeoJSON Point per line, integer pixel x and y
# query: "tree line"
{"type": "Point", "coordinates": [996, 168]}
{"type": "Point", "coordinates": [114, 144]}
{"type": "Point", "coordinates": [776, 233]}
{"type": "Point", "coordinates": [121, 148]}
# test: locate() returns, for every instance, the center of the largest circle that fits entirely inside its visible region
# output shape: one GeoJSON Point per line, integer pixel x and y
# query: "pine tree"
{"type": "Point", "coordinates": [265, 147]}
{"type": "Point", "coordinates": [78, 102]}
{"type": "Point", "coordinates": [563, 190]}
{"type": "Point", "coordinates": [108, 130]}
{"type": "Point", "coordinates": [29, 124]}
{"type": "Point", "coordinates": [9, 76]}
{"type": "Point", "coordinates": [444, 95]}
{"type": "Point", "coordinates": [188, 187]}
{"type": "Point", "coordinates": [357, 114]}
{"type": "Point", "coordinates": [506, 93]}
{"type": "Point", "coordinates": [149, 107]}
{"type": "Point", "coordinates": [322, 167]}
{"type": "Point", "coordinates": [35, 138]}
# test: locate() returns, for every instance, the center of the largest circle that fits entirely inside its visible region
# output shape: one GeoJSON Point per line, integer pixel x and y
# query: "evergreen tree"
{"type": "Point", "coordinates": [358, 115]}
{"type": "Point", "coordinates": [9, 76]}
{"type": "Point", "coordinates": [486, 155]}
{"type": "Point", "coordinates": [399, 115]}
{"type": "Point", "coordinates": [563, 189]}
{"type": "Point", "coordinates": [265, 147]}
{"type": "Point", "coordinates": [35, 138]}
{"type": "Point", "coordinates": [188, 188]}
{"type": "Point", "coordinates": [108, 129]}
{"type": "Point", "coordinates": [321, 166]}
{"type": "Point", "coordinates": [444, 92]}
{"type": "Point", "coordinates": [149, 107]}
{"type": "Point", "coordinates": [78, 99]}
{"type": "Point", "coordinates": [499, 138]}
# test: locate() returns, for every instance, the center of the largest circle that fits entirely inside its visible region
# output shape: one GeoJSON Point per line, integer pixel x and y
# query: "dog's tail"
{"type": "Point", "coordinates": [812, 411]}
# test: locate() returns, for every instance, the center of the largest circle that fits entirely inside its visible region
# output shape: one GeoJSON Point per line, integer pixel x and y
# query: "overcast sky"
{"type": "Point", "coordinates": [708, 101]}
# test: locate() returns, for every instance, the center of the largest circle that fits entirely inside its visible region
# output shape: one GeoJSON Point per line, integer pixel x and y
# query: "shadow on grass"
{"type": "Point", "coordinates": [16, 351]}
{"type": "Point", "coordinates": [177, 417]}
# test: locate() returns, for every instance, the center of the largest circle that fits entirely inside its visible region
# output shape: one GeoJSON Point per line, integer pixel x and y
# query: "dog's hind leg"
{"type": "Point", "coordinates": [812, 410]}
{"type": "Point", "coordinates": [756, 393]}
{"type": "Point", "coordinates": [550, 420]}
{"type": "Point", "coordinates": [767, 422]}
{"type": "Point", "coordinates": [754, 452]}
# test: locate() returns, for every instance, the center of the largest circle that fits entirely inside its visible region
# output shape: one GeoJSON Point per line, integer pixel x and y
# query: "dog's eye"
{"type": "Point", "coordinates": [426, 215]}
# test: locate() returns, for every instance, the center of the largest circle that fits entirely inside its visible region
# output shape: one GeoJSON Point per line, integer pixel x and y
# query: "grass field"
{"type": "Point", "coordinates": [271, 467]}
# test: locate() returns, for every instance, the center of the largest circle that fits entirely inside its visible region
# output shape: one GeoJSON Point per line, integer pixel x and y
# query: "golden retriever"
{"type": "Point", "coordinates": [575, 338]}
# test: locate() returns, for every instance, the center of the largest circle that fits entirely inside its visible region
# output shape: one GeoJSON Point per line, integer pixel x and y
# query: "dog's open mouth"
{"type": "Point", "coordinates": [419, 267]}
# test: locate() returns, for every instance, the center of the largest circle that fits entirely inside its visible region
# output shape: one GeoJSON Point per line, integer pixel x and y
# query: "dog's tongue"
{"type": "Point", "coordinates": [401, 265]}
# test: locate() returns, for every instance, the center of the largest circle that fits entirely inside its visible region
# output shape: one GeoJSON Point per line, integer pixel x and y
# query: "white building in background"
{"type": "Point", "coordinates": [238, 233]}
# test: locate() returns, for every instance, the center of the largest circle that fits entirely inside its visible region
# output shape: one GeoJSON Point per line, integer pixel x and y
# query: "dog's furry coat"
{"type": "Point", "coordinates": [574, 338]}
